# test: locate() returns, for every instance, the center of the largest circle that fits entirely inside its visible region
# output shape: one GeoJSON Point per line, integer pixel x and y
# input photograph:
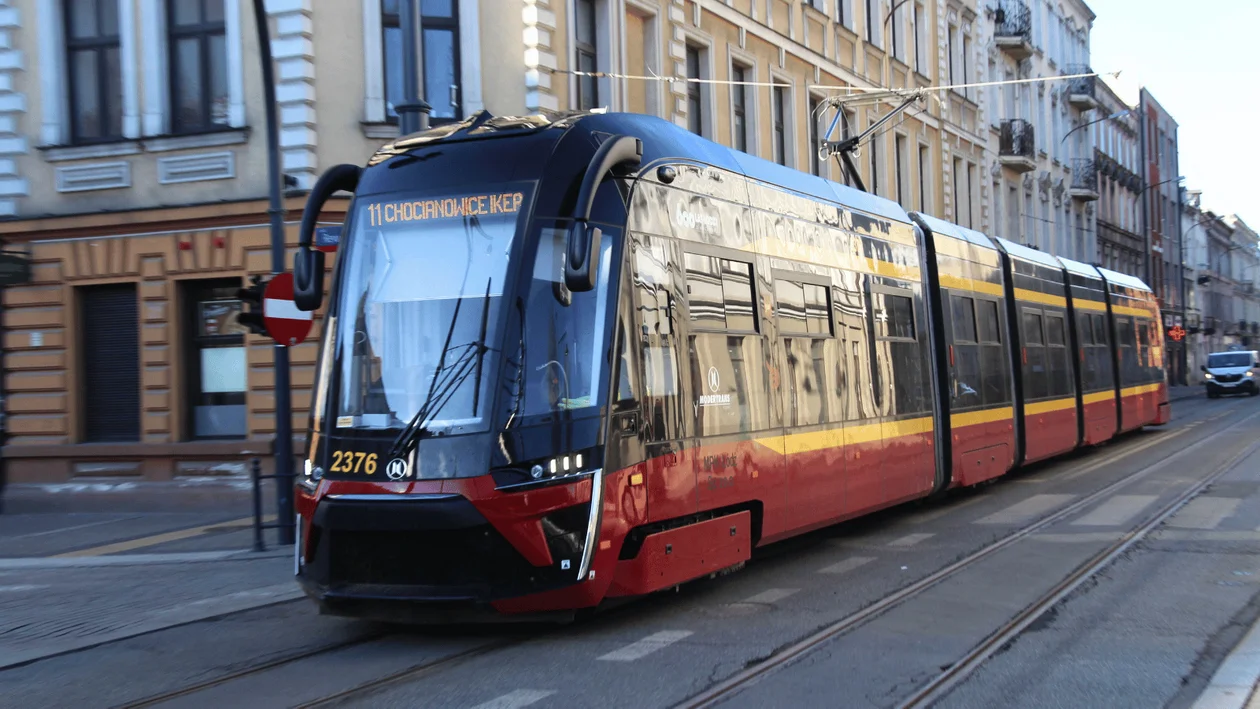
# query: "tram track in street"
{"type": "Point", "coordinates": [957, 673]}
{"type": "Point", "coordinates": [221, 680]}
{"type": "Point", "coordinates": [730, 687]}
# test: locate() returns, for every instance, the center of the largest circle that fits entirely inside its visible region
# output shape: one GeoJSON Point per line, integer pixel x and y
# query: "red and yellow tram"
{"type": "Point", "coordinates": [600, 356]}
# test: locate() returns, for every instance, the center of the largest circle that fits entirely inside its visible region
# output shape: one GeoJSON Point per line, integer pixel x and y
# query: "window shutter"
{"type": "Point", "coordinates": [111, 363]}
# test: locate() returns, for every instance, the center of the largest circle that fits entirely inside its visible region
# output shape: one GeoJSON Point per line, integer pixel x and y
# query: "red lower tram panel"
{"type": "Point", "coordinates": [983, 451]}
{"type": "Point", "coordinates": [1144, 405]}
{"type": "Point", "coordinates": [1100, 418]}
{"type": "Point", "coordinates": [1052, 429]}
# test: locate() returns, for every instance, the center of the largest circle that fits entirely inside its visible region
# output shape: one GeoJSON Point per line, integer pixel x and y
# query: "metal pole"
{"type": "Point", "coordinates": [284, 418]}
{"type": "Point", "coordinates": [255, 475]}
{"type": "Point", "coordinates": [413, 112]}
{"type": "Point", "coordinates": [1184, 378]}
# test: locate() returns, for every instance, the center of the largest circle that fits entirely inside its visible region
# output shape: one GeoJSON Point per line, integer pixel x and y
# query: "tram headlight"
{"type": "Point", "coordinates": [311, 475]}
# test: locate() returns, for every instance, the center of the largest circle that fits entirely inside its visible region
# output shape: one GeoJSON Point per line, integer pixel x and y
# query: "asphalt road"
{"type": "Point", "coordinates": [1147, 631]}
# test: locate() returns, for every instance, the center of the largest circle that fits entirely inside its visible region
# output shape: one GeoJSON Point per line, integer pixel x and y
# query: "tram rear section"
{"type": "Point", "coordinates": [598, 357]}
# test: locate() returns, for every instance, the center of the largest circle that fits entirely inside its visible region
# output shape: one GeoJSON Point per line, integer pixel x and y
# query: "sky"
{"type": "Point", "coordinates": [1201, 60]}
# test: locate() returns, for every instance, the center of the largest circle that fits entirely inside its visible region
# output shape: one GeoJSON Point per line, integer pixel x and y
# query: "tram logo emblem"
{"type": "Point", "coordinates": [715, 382]}
{"type": "Point", "coordinates": [396, 469]}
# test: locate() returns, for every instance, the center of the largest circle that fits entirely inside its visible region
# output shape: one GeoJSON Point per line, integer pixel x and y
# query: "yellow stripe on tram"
{"type": "Point", "coordinates": [970, 284]}
{"type": "Point", "coordinates": [1144, 389]}
{"type": "Point", "coordinates": [975, 418]}
{"type": "Point", "coordinates": [1098, 396]}
{"type": "Point", "coordinates": [838, 437]}
{"type": "Point", "coordinates": [1090, 305]}
{"type": "Point", "coordinates": [1045, 407]}
{"type": "Point", "coordinates": [1033, 296]}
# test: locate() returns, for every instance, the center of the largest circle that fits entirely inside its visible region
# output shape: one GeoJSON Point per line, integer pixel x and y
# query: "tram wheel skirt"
{"type": "Point", "coordinates": [674, 556]}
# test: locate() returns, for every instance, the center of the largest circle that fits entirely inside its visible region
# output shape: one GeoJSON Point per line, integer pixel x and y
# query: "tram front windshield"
{"type": "Point", "coordinates": [406, 271]}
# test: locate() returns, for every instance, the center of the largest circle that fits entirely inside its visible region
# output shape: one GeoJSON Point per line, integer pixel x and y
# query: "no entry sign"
{"type": "Point", "coordinates": [286, 324]}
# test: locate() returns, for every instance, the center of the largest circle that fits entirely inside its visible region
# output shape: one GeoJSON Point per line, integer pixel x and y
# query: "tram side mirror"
{"type": "Point", "coordinates": [581, 262]}
{"type": "Point", "coordinates": [308, 262]}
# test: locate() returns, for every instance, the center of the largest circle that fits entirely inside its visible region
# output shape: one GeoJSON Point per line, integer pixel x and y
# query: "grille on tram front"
{"type": "Point", "coordinates": [477, 556]}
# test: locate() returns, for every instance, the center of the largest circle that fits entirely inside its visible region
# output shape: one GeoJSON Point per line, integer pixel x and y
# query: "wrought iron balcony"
{"type": "Point", "coordinates": [1084, 180]}
{"type": "Point", "coordinates": [1081, 92]}
{"type": "Point", "coordinates": [1013, 32]}
{"type": "Point", "coordinates": [1017, 147]}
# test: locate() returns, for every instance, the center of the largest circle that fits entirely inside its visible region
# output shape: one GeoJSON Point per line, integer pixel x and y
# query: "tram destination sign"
{"type": "Point", "coordinates": [15, 268]}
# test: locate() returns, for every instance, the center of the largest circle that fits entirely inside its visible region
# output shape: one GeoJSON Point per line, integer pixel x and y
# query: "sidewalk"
{"type": "Point", "coordinates": [48, 609]}
{"type": "Point", "coordinates": [1235, 684]}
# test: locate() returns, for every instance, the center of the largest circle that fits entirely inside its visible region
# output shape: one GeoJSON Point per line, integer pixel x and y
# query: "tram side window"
{"type": "Point", "coordinates": [1089, 362]}
{"type": "Point", "coordinates": [897, 332]}
{"type": "Point", "coordinates": [1057, 357]}
{"type": "Point", "coordinates": [853, 377]}
{"type": "Point", "coordinates": [805, 323]}
{"type": "Point", "coordinates": [1126, 345]}
{"type": "Point", "coordinates": [966, 386]}
{"type": "Point", "coordinates": [993, 360]}
{"type": "Point", "coordinates": [655, 282]}
{"type": "Point", "coordinates": [719, 294]}
{"type": "Point", "coordinates": [1102, 352]}
{"type": "Point", "coordinates": [1036, 385]}
{"type": "Point", "coordinates": [727, 371]}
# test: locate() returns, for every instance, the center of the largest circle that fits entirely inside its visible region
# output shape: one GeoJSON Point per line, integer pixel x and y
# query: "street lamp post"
{"type": "Point", "coordinates": [280, 354]}
{"type": "Point", "coordinates": [413, 112]}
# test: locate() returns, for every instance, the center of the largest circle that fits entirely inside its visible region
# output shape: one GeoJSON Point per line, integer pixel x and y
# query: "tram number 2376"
{"type": "Point", "coordinates": [353, 462]}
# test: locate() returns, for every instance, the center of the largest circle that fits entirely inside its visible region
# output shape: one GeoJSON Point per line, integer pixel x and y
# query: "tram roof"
{"type": "Point", "coordinates": [940, 226]}
{"type": "Point", "coordinates": [665, 141]}
{"type": "Point", "coordinates": [1029, 254]}
{"type": "Point", "coordinates": [1124, 279]}
{"type": "Point", "coordinates": [1080, 269]}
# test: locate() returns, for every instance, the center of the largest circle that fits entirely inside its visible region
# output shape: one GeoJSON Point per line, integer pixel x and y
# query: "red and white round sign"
{"type": "Point", "coordinates": [287, 325]}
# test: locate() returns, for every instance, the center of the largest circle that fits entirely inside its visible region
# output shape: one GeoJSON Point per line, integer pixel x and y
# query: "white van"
{"type": "Point", "coordinates": [1232, 373]}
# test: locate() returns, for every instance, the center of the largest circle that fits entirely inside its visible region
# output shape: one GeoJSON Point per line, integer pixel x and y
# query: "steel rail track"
{"type": "Point", "coordinates": [156, 699]}
{"type": "Point", "coordinates": [947, 680]}
{"type": "Point", "coordinates": [741, 680]}
{"type": "Point", "coordinates": [415, 672]}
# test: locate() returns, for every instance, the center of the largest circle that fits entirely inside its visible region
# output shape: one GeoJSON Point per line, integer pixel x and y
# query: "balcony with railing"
{"type": "Point", "coordinates": [1017, 147]}
{"type": "Point", "coordinates": [1084, 180]}
{"type": "Point", "coordinates": [1013, 31]}
{"type": "Point", "coordinates": [1081, 93]}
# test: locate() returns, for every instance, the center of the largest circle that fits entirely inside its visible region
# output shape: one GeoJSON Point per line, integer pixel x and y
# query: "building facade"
{"type": "Point", "coordinates": [1162, 227]}
{"type": "Point", "coordinates": [1043, 179]}
{"type": "Point", "coordinates": [1117, 151]}
{"type": "Point", "coordinates": [1223, 262]}
{"type": "Point", "coordinates": [133, 169]}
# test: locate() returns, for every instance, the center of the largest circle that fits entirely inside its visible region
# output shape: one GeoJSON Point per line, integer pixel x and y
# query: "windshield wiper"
{"type": "Point", "coordinates": [446, 381]}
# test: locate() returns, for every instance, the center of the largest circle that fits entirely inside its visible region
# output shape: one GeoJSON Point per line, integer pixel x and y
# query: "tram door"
{"type": "Point", "coordinates": [671, 478]}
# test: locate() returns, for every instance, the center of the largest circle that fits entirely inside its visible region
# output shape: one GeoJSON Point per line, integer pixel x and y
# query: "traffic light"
{"type": "Point", "coordinates": [252, 306]}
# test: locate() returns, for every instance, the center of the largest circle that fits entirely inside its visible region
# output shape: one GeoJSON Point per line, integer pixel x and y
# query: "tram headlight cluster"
{"type": "Point", "coordinates": [311, 475]}
{"type": "Point", "coordinates": [550, 469]}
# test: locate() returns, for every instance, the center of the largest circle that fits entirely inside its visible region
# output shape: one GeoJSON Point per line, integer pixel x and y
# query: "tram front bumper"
{"type": "Point", "coordinates": [450, 552]}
